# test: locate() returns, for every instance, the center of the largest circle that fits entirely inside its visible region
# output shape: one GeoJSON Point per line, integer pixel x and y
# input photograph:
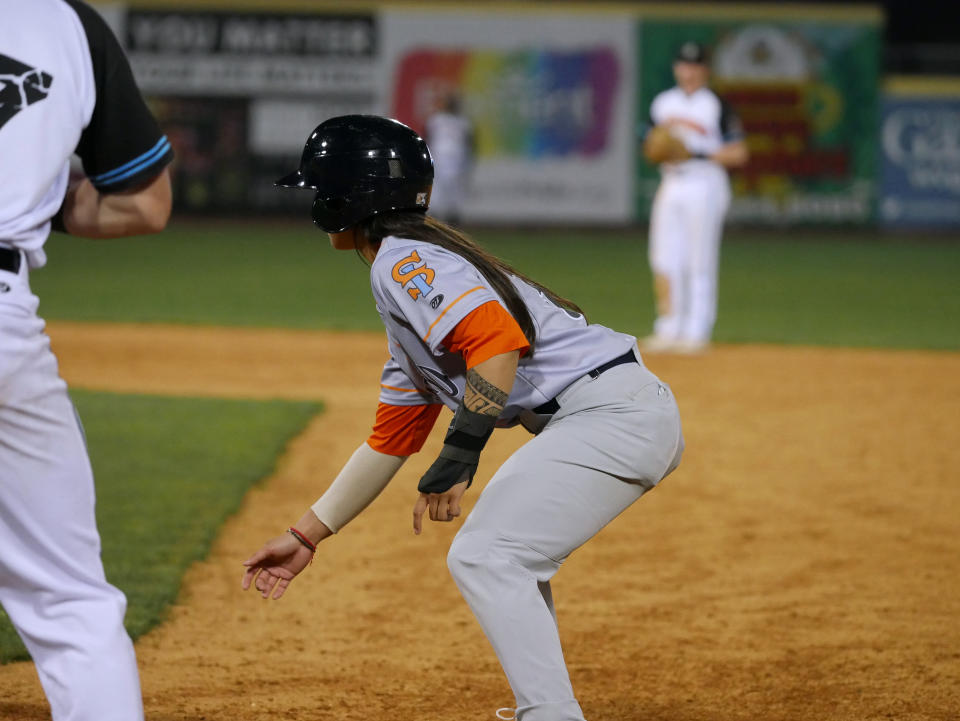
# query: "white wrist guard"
{"type": "Point", "coordinates": [360, 480]}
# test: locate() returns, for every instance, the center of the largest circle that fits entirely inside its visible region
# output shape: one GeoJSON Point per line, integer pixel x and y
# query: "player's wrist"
{"type": "Point", "coordinates": [469, 431]}
{"type": "Point", "coordinates": [312, 528]}
{"type": "Point", "coordinates": [302, 539]}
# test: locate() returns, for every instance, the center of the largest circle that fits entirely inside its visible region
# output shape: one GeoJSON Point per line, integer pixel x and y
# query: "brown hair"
{"type": "Point", "coordinates": [418, 226]}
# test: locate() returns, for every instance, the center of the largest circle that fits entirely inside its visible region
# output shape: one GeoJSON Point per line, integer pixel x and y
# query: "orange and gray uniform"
{"type": "Point", "coordinates": [65, 87]}
{"type": "Point", "coordinates": [608, 430]}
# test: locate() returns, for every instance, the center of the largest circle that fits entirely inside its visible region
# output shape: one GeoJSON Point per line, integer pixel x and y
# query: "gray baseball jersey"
{"type": "Point", "coordinates": [422, 291]}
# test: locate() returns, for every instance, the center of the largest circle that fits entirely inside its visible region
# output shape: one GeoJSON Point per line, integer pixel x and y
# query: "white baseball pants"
{"type": "Point", "coordinates": [52, 583]}
{"type": "Point", "coordinates": [613, 439]}
{"type": "Point", "coordinates": [686, 224]}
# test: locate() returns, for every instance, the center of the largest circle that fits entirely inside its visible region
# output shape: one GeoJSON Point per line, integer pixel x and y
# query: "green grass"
{"type": "Point", "coordinates": [864, 291]}
{"type": "Point", "coordinates": [169, 471]}
{"type": "Point", "coordinates": [786, 286]}
{"type": "Point", "coordinates": [265, 276]}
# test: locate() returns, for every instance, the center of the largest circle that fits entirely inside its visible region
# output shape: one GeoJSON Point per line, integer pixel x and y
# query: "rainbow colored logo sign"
{"type": "Point", "coordinates": [532, 103]}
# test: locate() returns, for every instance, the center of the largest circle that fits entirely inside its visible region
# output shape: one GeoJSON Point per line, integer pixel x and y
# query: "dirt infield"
{"type": "Point", "coordinates": [802, 564]}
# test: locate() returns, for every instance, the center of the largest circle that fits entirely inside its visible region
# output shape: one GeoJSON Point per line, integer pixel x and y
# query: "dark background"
{"type": "Point", "coordinates": [922, 36]}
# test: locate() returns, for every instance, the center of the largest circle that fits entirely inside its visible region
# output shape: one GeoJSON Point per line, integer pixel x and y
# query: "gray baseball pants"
{"type": "Point", "coordinates": [614, 437]}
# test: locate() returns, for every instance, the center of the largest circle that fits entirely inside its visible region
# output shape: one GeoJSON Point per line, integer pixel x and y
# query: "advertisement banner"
{"type": "Point", "coordinates": [549, 95]}
{"type": "Point", "coordinates": [239, 92]}
{"type": "Point", "coordinates": [807, 92]}
{"type": "Point", "coordinates": [237, 53]}
{"type": "Point", "coordinates": [920, 164]}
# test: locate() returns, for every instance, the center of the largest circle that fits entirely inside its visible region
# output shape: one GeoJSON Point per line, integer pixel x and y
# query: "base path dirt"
{"type": "Point", "coordinates": [801, 565]}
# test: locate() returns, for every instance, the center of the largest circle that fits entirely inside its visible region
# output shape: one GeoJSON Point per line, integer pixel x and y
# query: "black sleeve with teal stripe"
{"type": "Point", "coordinates": [731, 126]}
{"type": "Point", "coordinates": [122, 147]}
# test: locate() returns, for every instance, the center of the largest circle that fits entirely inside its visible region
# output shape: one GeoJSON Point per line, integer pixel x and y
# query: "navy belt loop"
{"type": "Point", "coordinates": [9, 259]}
{"type": "Point", "coordinates": [552, 406]}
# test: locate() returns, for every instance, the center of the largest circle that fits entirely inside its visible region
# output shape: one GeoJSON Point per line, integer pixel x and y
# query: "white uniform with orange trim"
{"type": "Point", "coordinates": [615, 435]}
{"type": "Point", "coordinates": [686, 219]}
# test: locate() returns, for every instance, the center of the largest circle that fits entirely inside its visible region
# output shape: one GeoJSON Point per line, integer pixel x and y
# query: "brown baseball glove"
{"type": "Point", "coordinates": [662, 146]}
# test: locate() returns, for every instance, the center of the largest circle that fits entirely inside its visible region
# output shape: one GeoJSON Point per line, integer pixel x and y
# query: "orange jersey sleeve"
{"type": "Point", "coordinates": [485, 332]}
{"type": "Point", "coordinates": [402, 430]}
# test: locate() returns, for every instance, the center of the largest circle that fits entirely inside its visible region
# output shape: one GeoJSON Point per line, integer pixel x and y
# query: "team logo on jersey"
{"type": "Point", "coordinates": [414, 276]}
{"type": "Point", "coordinates": [20, 86]}
{"type": "Point", "coordinates": [438, 381]}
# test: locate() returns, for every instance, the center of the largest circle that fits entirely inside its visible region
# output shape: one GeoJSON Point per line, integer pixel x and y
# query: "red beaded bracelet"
{"type": "Point", "coordinates": [303, 539]}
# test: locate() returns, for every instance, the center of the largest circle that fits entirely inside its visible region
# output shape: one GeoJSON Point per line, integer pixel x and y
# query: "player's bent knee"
{"type": "Point", "coordinates": [485, 557]}
{"type": "Point", "coordinates": [468, 552]}
{"type": "Point", "coordinates": [479, 553]}
{"type": "Point", "coordinates": [101, 606]}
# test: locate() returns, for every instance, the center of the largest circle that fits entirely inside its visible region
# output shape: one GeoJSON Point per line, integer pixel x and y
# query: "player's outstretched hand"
{"type": "Point", "coordinates": [276, 564]}
{"type": "Point", "coordinates": [442, 506]}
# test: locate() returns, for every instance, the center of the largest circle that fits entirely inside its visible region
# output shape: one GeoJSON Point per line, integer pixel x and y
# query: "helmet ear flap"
{"type": "Point", "coordinates": [336, 213]}
{"type": "Point", "coordinates": [329, 214]}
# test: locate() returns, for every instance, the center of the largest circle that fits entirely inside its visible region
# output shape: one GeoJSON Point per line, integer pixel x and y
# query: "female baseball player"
{"type": "Point", "coordinates": [467, 331]}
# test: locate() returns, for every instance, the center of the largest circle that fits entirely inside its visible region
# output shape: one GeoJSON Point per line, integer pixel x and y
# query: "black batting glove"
{"type": "Point", "coordinates": [445, 473]}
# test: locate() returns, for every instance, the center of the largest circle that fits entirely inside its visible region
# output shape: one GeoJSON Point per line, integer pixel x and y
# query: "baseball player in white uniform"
{"type": "Point", "coordinates": [65, 87]}
{"type": "Point", "coordinates": [686, 220]}
{"type": "Point", "coordinates": [450, 136]}
{"type": "Point", "coordinates": [468, 332]}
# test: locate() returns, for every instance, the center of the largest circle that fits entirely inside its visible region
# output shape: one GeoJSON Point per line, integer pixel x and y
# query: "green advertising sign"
{"type": "Point", "coordinates": [807, 92]}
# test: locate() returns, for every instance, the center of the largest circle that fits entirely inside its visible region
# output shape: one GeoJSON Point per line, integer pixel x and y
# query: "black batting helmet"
{"type": "Point", "coordinates": [360, 166]}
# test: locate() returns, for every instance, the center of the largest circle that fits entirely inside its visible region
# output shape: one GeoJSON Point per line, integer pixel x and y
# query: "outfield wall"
{"type": "Point", "coordinates": [920, 153]}
{"type": "Point", "coordinates": [558, 93]}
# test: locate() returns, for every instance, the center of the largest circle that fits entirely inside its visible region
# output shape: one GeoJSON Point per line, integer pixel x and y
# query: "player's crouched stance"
{"type": "Point", "coordinates": [467, 331]}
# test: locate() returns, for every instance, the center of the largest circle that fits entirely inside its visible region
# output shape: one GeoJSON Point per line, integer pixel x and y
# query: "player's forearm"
{"type": "Point", "coordinates": [489, 384]}
{"type": "Point", "coordinates": [90, 214]}
{"type": "Point", "coordinates": [359, 482]}
{"type": "Point", "coordinates": [312, 527]}
{"type": "Point", "coordinates": [484, 398]}
{"type": "Point", "coordinates": [732, 155]}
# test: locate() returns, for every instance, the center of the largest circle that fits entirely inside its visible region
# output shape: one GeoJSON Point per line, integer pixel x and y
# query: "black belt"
{"type": "Point", "coordinates": [551, 406]}
{"type": "Point", "coordinates": [9, 259]}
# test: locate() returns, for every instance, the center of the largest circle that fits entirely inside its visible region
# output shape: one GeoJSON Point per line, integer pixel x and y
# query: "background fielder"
{"type": "Point", "coordinates": [450, 135]}
{"type": "Point", "coordinates": [65, 86]}
{"type": "Point", "coordinates": [686, 219]}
